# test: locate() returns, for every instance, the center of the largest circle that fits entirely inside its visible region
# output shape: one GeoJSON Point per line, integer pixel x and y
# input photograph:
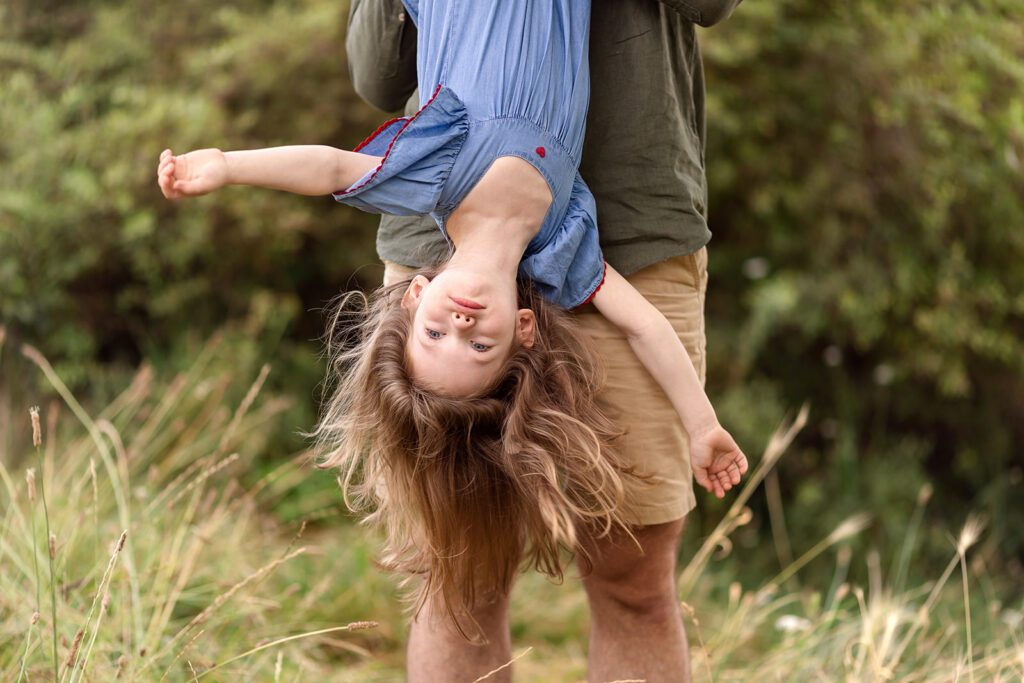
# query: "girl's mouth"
{"type": "Point", "coordinates": [466, 303]}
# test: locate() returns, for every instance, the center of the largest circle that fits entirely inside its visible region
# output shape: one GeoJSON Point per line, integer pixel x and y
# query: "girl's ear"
{"type": "Point", "coordinates": [526, 328]}
{"type": "Point", "coordinates": [414, 293]}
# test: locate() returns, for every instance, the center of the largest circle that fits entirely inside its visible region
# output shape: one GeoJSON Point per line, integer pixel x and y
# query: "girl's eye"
{"type": "Point", "coordinates": [477, 346]}
{"type": "Point", "coordinates": [433, 334]}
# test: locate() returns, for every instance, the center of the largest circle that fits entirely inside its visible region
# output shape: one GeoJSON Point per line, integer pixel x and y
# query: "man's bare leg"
{"type": "Point", "coordinates": [636, 628]}
{"type": "Point", "coordinates": [438, 653]}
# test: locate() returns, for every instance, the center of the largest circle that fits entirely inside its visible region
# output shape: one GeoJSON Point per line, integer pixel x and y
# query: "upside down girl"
{"type": "Point", "coordinates": [463, 417]}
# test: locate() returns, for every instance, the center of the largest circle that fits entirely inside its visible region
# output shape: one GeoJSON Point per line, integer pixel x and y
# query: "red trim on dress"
{"type": "Point", "coordinates": [381, 128]}
{"type": "Point", "coordinates": [604, 274]}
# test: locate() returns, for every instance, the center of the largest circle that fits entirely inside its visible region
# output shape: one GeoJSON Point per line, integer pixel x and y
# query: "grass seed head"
{"type": "Point", "coordinates": [74, 648]}
{"type": "Point", "coordinates": [53, 546]}
{"type": "Point", "coordinates": [924, 494]}
{"type": "Point", "coordinates": [30, 480]}
{"type": "Point", "coordinates": [35, 618]}
{"type": "Point", "coordinates": [969, 535]}
{"type": "Point", "coordinates": [37, 430]}
{"type": "Point", "coordinates": [851, 526]}
{"type": "Point", "coordinates": [362, 625]}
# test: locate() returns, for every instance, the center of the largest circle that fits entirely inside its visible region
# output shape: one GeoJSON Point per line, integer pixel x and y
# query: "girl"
{"type": "Point", "coordinates": [465, 412]}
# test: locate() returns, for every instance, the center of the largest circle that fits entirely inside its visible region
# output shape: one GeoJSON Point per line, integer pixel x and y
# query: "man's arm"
{"type": "Point", "coordinates": [704, 12]}
{"type": "Point", "coordinates": [717, 461]}
{"type": "Point", "coordinates": [302, 169]}
{"type": "Point", "coordinates": [381, 49]}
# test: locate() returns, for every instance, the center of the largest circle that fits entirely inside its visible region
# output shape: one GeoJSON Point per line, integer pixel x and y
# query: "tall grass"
{"type": "Point", "coordinates": [193, 573]}
{"type": "Point", "coordinates": [171, 562]}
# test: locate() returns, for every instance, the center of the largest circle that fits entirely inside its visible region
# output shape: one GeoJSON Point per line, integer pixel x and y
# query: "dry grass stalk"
{"type": "Point", "coordinates": [223, 598]}
{"type": "Point", "coordinates": [170, 397]}
{"type": "Point", "coordinates": [134, 396]}
{"type": "Point", "coordinates": [169, 488]}
{"type": "Point", "coordinates": [243, 408]}
{"type": "Point", "coordinates": [239, 414]}
{"type": "Point", "coordinates": [118, 486]}
{"type": "Point", "coordinates": [354, 626]}
{"type": "Point", "coordinates": [178, 656]}
{"type": "Point", "coordinates": [28, 643]}
{"type": "Point", "coordinates": [175, 561]}
{"type": "Point", "coordinates": [777, 519]}
{"type": "Point", "coordinates": [74, 650]}
{"type": "Point", "coordinates": [203, 476]}
{"type": "Point", "coordinates": [777, 445]}
{"type": "Point", "coordinates": [30, 482]}
{"type": "Point", "coordinates": [37, 442]}
{"type": "Point", "coordinates": [100, 599]}
{"type": "Point", "coordinates": [504, 666]}
{"type": "Point", "coordinates": [110, 431]}
{"type": "Point", "coordinates": [968, 536]}
{"type": "Point", "coordinates": [691, 614]}
{"type": "Point", "coordinates": [851, 526]}
{"type": "Point", "coordinates": [95, 508]}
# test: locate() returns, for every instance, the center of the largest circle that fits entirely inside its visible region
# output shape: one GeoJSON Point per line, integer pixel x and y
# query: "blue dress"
{"type": "Point", "coordinates": [497, 78]}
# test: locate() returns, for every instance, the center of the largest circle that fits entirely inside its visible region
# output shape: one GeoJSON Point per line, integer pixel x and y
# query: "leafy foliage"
{"type": "Point", "coordinates": [865, 163]}
{"type": "Point", "coordinates": [865, 166]}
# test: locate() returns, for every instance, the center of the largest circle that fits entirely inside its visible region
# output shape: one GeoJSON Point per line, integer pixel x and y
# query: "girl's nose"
{"type": "Point", "coordinates": [461, 320]}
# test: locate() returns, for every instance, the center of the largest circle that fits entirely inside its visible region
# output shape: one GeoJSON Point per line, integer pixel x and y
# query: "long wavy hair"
{"type": "Point", "coordinates": [468, 489]}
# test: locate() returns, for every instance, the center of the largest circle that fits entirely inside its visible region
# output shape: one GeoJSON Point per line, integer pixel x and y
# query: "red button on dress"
{"type": "Point", "coordinates": [540, 152]}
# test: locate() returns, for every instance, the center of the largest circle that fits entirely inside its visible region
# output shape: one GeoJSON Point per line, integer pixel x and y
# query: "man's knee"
{"type": "Point", "coordinates": [636, 575]}
{"type": "Point", "coordinates": [488, 615]}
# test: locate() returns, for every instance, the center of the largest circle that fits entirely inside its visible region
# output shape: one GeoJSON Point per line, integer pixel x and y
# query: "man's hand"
{"type": "Point", "coordinates": [718, 463]}
{"type": "Point", "coordinates": [192, 174]}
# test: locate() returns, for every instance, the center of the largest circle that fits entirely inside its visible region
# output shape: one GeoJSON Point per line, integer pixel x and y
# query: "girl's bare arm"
{"type": "Point", "coordinates": [717, 461]}
{"type": "Point", "coordinates": [302, 169]}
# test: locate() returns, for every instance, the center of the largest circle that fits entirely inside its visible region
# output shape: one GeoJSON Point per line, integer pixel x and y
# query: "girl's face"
{"type": "Point", "coordinates": [464, 327]}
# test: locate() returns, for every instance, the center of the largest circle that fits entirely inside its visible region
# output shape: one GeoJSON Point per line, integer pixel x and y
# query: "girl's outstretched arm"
{"type": "Point", "coordinates": [718, 463]}
{"type": "Point", "coordinates": [302, 169]}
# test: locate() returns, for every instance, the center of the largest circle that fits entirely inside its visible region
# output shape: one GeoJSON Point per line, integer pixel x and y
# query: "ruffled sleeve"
{"type": "Point", "coordinates": [565, 263]}
{"type": "Point", "coordinates": [418, 153]}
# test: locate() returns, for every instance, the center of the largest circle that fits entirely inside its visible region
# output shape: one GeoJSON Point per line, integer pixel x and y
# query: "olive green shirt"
{"type": "Point", "coordinates": [643, 155]}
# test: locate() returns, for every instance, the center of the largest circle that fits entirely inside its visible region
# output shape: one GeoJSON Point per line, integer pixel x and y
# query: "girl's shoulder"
{"type": "Point", "coordinates": [564, 260]}
{"type": "Point", "coordinates": [417, 154]}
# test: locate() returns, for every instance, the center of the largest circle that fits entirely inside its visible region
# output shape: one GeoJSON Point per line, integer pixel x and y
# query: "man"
{"type": "Point", "coordinates": [644, 161]}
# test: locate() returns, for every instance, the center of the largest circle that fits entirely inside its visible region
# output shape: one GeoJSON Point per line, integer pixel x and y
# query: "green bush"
{"type": "Point", "coordinates": [864, 164]}
{"type": "Point", "coordinates": [92, 259]}
{"type": "Point", "coordinates": [865, 169]}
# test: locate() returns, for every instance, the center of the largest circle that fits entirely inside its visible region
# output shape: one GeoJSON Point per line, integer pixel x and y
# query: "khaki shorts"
{"type": "Point", "coordinates": [655, 442]}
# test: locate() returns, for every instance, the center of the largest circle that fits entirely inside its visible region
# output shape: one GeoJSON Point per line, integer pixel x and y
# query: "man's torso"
{"type": "Point", "coordinates": [643, 155]}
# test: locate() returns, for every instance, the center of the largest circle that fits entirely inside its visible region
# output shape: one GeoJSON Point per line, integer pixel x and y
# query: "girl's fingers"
{"type": "Point", "coordinates": [187, 187]}
{"type": "Point", "coordinates": [165, 184]}
{"type": "Point", "coordinates": [702, 478]}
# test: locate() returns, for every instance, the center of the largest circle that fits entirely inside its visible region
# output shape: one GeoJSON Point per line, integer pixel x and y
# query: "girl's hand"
{"type": "Point", "coordinates": [717, 462]}
{"type": "Point", "coordinates": [192, 174]}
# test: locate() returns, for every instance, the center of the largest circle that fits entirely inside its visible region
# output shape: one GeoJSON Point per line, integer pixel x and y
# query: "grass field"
{"type": "Point", "coordinates": [138, 543]}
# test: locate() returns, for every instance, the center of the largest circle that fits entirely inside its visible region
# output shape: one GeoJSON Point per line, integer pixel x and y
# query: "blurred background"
{"type": "Point", "coordinates": [866, 172]}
